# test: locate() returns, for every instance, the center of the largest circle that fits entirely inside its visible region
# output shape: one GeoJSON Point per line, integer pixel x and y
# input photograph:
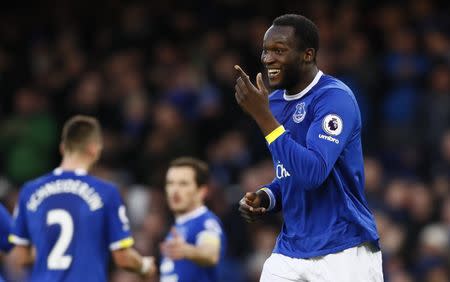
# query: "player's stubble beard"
{"type": "Point", "coordinates": [291, 77]}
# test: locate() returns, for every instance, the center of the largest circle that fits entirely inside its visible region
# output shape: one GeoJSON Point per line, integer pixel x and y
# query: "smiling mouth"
{"type": "Point", "coordinates": [273, 73]}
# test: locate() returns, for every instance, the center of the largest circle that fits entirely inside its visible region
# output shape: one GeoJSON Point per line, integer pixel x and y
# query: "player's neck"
{"type": "Point", "coordinates": [191, 213]}
{"type": "Point", "coordinates": [74, 162]}
{"type": "Point", "coordinates": [306, 78]}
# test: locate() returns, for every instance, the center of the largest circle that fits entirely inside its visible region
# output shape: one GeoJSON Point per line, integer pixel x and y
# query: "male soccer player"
{"type": "Point", "coordinates": [72, 219]}
{"type": "Point", "coordinates": [196, 243]}
{"type": "Point", "coordinates": [312, 126]}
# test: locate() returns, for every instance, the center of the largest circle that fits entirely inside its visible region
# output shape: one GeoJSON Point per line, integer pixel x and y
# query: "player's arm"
{"type": "Point", "coordinates": [129, 259]}
{"type": "Point", "coordinates": [23, 252]}
{"type": "Point", "coordinates": [22, 256]}
{"type": "Point", "coordinates": [335, 119]}
{"type": "Point", "coordinates": [312, 164]}
{"type": "Point", "coordinates": [120, 240]}
{"type": "Point", "coordinates": [205, 252]}
{"type": "Point", "coordinates": [5, 229]}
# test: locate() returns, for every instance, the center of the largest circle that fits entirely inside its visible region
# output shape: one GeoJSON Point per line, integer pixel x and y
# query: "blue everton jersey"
{"type": "Point", "coordinates": [319, 183]}
{"type": "Point", "coordinates": [191, 226]}
{"type": "Point", "coordinates": [74, 220]}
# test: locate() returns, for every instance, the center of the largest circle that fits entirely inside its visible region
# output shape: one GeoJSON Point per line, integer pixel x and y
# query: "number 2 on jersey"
{"type": "Point", "coordinates": [56, 259]}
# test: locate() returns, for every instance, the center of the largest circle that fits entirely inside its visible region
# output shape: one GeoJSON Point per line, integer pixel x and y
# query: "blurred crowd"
{"type": "Point", "coordinates": [159, 76]}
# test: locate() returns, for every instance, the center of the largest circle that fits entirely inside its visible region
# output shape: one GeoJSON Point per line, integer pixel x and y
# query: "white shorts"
{"type": "Point", "coordinates": [360, 264]}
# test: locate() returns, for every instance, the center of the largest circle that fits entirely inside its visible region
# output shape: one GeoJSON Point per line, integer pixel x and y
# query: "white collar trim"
{"type": "Point", "coordinates": [77, 171]}
{"type": "Point", "coordinates": [304, 91]}
{"type": "Point", "coordinates": [191, 215]}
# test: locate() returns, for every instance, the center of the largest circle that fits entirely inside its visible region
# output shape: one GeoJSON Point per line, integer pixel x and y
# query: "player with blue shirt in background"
{"type": "Point", "coordinates": [73, 220]}
{"type": "Point", "coordinates": [195, 246]}
{"type": "Point", "coordinates": [5, 229]}
{"type": "Point", "coordinates": [312, 126]}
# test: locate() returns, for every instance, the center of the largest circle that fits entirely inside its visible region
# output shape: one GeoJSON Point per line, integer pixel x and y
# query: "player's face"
{"type": "Point", "coordinates": [183, 194]}
{"type": "Point", "coordinates": [281, 57]}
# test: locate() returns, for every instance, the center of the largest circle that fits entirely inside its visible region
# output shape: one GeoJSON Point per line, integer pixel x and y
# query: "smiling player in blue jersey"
{"type": "Point", "coordinates": [312, 126]}
{"type": "Point", "coordinates": [196, 244]}
{"type": "Point", "coordinates": [72, 220]}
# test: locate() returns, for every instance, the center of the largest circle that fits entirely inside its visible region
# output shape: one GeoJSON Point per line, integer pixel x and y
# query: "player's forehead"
{"type": "Point", "coordinates": [185, 173]}
{"type": "Point", "coordinates": [279, 35]}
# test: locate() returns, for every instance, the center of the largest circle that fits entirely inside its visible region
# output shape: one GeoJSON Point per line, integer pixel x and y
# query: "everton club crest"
{"type": "Point", "coordinates": [300, 113]}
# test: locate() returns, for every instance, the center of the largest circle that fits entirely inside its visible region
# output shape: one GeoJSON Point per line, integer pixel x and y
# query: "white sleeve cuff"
{"type": "Point", "coordinates": [272, 200]}
{"type": "Point", "coordinates": [16, 240]}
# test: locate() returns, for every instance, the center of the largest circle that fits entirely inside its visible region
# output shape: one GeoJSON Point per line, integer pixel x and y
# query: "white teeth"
{"type": "Point", "coordinates": [273, 72]}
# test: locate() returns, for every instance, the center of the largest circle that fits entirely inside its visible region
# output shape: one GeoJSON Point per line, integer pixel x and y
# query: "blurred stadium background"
{"type": "Point", "coordinates": [159, 76]}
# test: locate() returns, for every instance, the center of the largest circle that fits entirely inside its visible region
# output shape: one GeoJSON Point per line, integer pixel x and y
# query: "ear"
{"type": "Point", "coordinates": [203, 191]}
{"type": "Point", "coordinates": [61, 148]}
{"type": "Point", "coordinates": [93, 149]}
{"type": "Point", "coordinates": [309, 55]}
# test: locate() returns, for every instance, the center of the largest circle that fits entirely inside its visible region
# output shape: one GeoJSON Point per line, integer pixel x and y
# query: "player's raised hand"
{"type": "Point", "coordinates": [250, 207]}
{"type": "Point", "coordinates": [252, 99]}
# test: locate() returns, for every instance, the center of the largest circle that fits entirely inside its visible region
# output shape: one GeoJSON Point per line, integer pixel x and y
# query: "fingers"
{"type": "Point", "coordinates": [244, 205]}
{"type": "Point", "coordinates": [258, 211]}
{"type": "Point", "coordinates": [251, 196]}
{"type": "Point", "coordinates": [248, 204]}
{"type": "Point", "coordinates": [244, 78]}
{"type": "Point", "coordinates": [249, 216]}
{"type": "Point", "coordinates": [241, 90]}
{"type": "Point", "coordinates": [241, 87]}
{"type": "Point", "coordinates": [260, 84]}
{"type": "Point", "coordinates": [249, 213]}
{"type": "Point", "coordinates": [240, 71]}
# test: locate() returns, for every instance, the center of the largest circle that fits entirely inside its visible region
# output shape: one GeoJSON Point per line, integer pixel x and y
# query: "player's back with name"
{"type": "Point", "coordinates": [74, 220]}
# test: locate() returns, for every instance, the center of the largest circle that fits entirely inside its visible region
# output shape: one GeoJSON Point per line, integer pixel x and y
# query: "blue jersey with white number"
{"type": "Point", "coordinates": [190, 226]}
{"type": "Point", "coordinates": [74, 220]}
{"type": "Point", "coordinates": [319, 184]}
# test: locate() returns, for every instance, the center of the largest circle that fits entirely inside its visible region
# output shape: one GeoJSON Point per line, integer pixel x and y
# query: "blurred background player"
{"type": "Point", "coordinates": [312, 126]}
{"type": "Point", "coordinates": [72, 219]}
{"type": "Point", "coordinates": [196, 243]}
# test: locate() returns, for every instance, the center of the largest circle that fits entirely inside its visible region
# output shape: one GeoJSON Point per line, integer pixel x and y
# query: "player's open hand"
{"type": "Point", "coordinates": [250, 207]}
{"type": "Point", "coordinates": [176, 247]}
{"type": "Point", "coordinates": [252, 99]}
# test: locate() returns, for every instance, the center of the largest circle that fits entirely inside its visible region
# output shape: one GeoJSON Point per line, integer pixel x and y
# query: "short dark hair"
{"type": "Point", "coordinates": [305, 30]}
{"type": "Point", "coordinates": [78, 131]}
{"type": "Point", "coordinates": [200, 168]}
